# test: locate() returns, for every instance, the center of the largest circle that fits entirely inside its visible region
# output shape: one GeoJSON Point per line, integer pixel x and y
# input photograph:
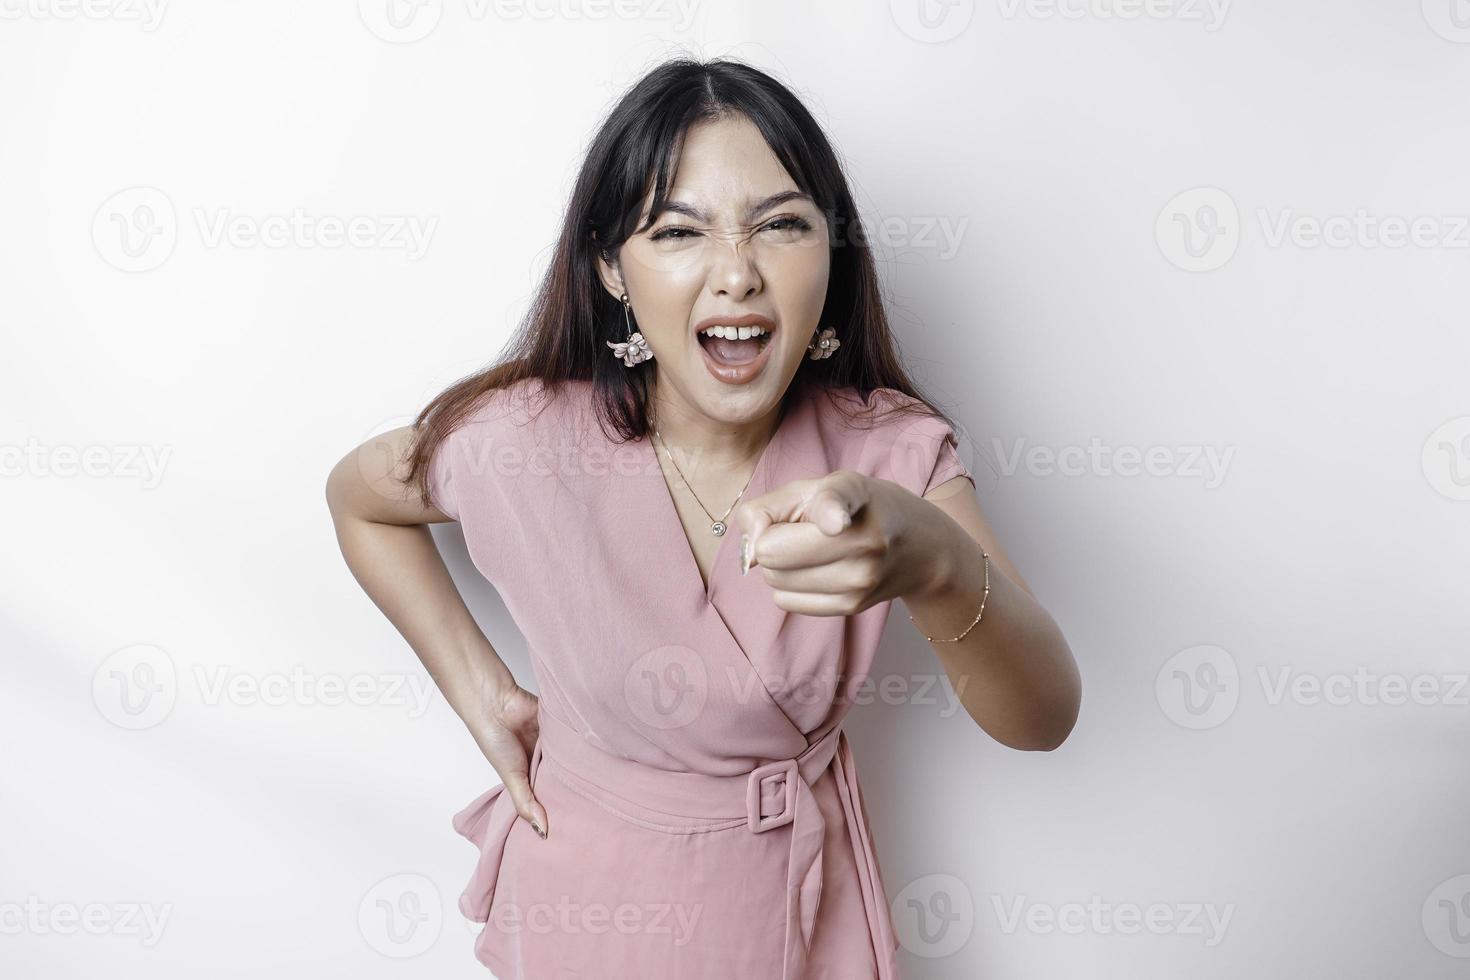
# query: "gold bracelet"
{"type": "Point", "coordinates": [977, 615]}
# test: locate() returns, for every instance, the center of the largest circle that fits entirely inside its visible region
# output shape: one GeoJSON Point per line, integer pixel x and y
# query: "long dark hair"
{"type": "Point", "coordinates": [564, 334]}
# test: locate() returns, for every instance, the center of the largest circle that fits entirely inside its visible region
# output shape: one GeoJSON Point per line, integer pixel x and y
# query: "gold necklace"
{"type": "Point", "coordinates": [719, 526]}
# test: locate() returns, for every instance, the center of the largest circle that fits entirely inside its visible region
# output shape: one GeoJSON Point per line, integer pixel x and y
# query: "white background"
{"type": "Point", "coordinates": [1083, 302]}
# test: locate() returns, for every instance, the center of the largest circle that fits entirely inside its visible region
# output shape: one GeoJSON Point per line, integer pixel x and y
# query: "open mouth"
{"type": "Point", "coordinates": [725, 346]}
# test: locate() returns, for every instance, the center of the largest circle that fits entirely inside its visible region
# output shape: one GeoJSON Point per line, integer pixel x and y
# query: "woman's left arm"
{"type": "Point", "coordinates": [1013, 671]}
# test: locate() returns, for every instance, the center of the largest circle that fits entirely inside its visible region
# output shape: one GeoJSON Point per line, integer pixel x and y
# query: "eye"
{"type": "Point", "coordinates": [789, 222]}
{"type": "Point", "coordinates": [672, 232]}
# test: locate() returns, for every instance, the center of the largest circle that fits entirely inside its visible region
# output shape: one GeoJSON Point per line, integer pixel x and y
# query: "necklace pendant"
{"type": "Point", "coordinates": [718, 527]}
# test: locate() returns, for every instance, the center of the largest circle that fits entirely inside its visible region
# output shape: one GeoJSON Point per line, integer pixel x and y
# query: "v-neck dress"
{"type": "Point", "coordinates": [705, 815]}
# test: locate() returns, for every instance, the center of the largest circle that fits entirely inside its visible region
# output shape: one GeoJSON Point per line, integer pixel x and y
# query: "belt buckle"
{"type": "Point", "coordinates": [786, 768]}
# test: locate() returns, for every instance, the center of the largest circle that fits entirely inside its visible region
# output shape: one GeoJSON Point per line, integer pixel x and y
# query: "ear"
{"type": "Point", "coordinates": [609, 273]}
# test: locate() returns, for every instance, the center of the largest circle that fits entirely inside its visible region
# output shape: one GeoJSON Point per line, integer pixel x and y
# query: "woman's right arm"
{"type": "Point", "coordinates": [382, 529]}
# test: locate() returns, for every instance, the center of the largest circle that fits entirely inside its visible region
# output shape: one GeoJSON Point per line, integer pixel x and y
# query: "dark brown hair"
{"type": "Point", "coordinates": [565, 332]}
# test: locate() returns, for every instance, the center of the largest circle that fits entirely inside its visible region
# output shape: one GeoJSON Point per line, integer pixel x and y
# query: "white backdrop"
{"type": "Point", "coordinates": [1192, 274]}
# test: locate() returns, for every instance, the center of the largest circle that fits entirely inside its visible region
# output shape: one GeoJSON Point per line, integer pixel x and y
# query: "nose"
{"type": "Point", "coordinates": [733, 273]}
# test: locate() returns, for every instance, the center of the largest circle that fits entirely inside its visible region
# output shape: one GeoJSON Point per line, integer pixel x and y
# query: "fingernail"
{"type": "Point", "coordinates": [744, 554]}
{"type": "Point", "coordinates": [537, 827]}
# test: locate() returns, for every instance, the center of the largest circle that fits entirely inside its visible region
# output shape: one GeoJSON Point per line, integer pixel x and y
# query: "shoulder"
{"type": "Point", "coordinates": [890, 434]}
{"type": "Point", "coordinates": [877, 409]}
{"type": "Point", "coordinates": [529, 406]}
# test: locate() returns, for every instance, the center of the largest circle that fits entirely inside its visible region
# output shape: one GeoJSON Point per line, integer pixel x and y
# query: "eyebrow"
{"type": "Point", "coordinates": [751, 212]}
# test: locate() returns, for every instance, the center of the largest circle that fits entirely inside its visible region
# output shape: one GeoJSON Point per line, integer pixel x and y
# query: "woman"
{"type": "Point", "coordinates": [698, 480]}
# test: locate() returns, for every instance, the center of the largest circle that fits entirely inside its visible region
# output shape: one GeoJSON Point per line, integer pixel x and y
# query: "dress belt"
{"type": "Point", "coordinates": [767, 797]}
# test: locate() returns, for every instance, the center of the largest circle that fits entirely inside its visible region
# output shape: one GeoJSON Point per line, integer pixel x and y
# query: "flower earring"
{"type": "Point", "coordinates": [635, 349]}
{"type": "Point", "coordinates": [823, 345]}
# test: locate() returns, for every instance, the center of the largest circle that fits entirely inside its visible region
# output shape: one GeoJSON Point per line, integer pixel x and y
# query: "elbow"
{"type": "Point", "coordinates": [1040, 741]}
{"type": "Point", "coordinates": [1051, 728]}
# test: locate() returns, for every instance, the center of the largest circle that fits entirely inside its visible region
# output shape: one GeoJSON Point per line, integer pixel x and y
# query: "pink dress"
{"type": "Point", "coordinates": [705, 815]}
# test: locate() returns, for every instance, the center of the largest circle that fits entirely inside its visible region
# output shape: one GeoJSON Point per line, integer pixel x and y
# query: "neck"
{"type": "Point", "coordinates": [693, 435]}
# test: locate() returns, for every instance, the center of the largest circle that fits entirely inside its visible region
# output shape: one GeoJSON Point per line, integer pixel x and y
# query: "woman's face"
{"type": "Point", "coordinates": [731, 245]}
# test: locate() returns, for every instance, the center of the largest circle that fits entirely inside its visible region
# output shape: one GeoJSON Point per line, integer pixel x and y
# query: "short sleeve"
{"type": "Point", "coordinates": [440, 477]}
{"type": "Point", "coordinates": [947, 462]}
{"type": "Point", "coordinates": [922, 448]}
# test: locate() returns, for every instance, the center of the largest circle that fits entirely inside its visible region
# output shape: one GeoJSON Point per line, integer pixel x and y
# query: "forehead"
{"type": "Point", "coordinates": [725, 164]}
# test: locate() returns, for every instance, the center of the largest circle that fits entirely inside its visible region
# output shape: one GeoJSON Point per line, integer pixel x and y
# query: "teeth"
{"type": "Point", "coordinates": [735, 333]}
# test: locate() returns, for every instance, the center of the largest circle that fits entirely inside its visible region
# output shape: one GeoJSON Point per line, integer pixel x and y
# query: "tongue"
{"type": "Point", "coordinates": [732, 351]}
